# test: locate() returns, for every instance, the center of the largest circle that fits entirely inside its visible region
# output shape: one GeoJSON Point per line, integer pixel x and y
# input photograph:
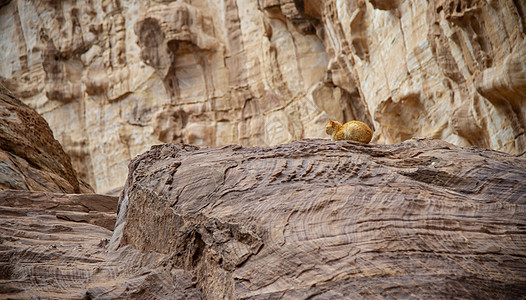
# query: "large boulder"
{"type": "Point", "coordinates": [331, 220]}
{"type": "Point", "coordinates": [30, 157]}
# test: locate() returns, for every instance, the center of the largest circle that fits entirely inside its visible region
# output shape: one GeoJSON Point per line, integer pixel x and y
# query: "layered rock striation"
{"type": "Point", "coordinates": [30, 157]}
{"type": "Point", "coordinates": [325, 220]}
{"type": "Point", "coordinates": [113, 78]}
{"type": "Point", "coordinates": [53, 246]}
{"type": "Point", "coordinates": [312, 219]}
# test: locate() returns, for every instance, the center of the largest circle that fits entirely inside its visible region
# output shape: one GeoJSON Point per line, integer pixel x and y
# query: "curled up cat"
{"type": "Point", "coordinates": [355, 131]}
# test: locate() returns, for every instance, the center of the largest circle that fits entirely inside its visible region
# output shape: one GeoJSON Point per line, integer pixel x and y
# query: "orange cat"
{"type": "Point", "coordinates": [355, 131]}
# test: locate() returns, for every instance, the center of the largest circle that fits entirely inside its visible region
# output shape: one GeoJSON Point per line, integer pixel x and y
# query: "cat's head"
{"type": "Point", "coordinates": [332, 126]}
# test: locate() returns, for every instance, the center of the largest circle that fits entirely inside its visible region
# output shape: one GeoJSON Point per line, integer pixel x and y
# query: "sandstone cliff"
{"type": "Point", "coordinates": [113, 77]}
{"type": "Point", "coordinates": [313, 219]}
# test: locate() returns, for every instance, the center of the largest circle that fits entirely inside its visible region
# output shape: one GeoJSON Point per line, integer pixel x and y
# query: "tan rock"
{"type": "Point", "coordinates": [264, 72]}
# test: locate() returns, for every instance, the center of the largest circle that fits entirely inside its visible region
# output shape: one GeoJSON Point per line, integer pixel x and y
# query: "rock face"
{"type": "Point", "coordinates": [114, 77]}
{"type": "Point", "coordinates": [331, 220]}
{"type": "Point", "coordinates": [30, 157]}
{"type": "Point", "coordinates": [312, 219]}
{"type": "Point", "coordinates": [52, 246]}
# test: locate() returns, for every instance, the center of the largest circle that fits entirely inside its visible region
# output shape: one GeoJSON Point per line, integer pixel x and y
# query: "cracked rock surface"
{"type": "Point", "coordinates": [325, 220]}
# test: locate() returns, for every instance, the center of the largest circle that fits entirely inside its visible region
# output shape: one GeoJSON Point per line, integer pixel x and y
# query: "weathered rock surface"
{"type": "Point", "coordinates": [114, 77]}
{"type": "Point", "coordinates": [312, 219]}
{"type": "Point", "coordinates": [52, 246]}
{"type": "Point", "coordinates": [30, 157]}
{"type": "Point", "coordinates": [330, 220]}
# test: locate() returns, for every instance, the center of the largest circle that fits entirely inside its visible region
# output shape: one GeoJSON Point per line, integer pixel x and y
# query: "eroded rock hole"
{"type": "Point", "coordinates": [199, 247]}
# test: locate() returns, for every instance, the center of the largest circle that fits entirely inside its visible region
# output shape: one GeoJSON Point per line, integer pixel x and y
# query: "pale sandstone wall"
{"type": "Point", "coordinates": [114, 77]}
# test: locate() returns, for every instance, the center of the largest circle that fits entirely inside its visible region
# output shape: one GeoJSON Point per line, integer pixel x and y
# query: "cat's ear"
{"type": "Point", "coordinates": [331, 121]}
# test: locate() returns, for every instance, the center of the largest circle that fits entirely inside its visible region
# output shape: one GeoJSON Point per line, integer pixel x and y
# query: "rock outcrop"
{"type": "Point", "coordinates": [332, 220]}
{"type": "Point", "coordinates": [30, 157]}
{"type": "Point", "coordinates": [53, 247]}
{"type": "Point", "coordinates": [115, 77]}
{"type": "Point", "coordinates": [312, 219]}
